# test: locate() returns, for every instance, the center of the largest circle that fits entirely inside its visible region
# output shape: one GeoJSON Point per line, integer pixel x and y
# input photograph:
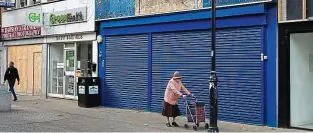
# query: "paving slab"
{"type": "Point", "coordinates": [33, 114]}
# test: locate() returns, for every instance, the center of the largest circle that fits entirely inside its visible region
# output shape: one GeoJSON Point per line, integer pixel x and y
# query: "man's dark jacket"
{"type": "Point", "coordinates": [11, 75]}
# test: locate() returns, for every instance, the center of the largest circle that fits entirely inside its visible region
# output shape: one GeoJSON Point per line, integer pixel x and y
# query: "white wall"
{"type": "Point", "coordinates": [44, 71]}
{"type": "Point", "coordinates": [95, 57]}
{"type": "Point", "coordinates": [18, 17]}
{"type": "Point", "coordinates": [70, 28]}
{"type": "Point", "coordinates": [301, 79]}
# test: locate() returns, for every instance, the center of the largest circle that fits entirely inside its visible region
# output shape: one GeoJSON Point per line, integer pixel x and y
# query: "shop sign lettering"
{"type": "Point", "coordinates": [66, 18]}
{"type": "Point", "coordinates": [69, 37]}
{"type": "Point", "coordinates": [20, 31]}
{"type": "Point", "coordinates": [69, 16]}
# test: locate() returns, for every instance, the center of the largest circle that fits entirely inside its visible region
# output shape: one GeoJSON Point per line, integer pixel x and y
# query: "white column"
{"type": "Point", "coordinates": [30, 2]}
{"type": "Point", "coordinates": [17, 4]}
{"type": "Point", "coordinates": [95, 57]}
{"type": "Point", "coordinates": [44, 71]}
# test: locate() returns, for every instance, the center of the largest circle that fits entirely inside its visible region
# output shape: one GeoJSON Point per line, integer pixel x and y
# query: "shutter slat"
{"type": "Point", "coordinates": [126, 71]}
{"type": "Point", "coordinates": [238, 69]}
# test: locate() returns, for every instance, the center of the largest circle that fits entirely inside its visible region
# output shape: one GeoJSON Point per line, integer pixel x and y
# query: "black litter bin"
{"type": "Point", "coordinates": [88, 92]}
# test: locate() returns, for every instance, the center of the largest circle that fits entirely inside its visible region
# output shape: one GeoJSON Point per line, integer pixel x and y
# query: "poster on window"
{"type": "Point", "coordinates": [7, 3]}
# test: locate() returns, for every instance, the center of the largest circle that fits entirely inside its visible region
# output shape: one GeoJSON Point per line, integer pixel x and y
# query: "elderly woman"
{"type": "Point", "coordinates": [172, 93]}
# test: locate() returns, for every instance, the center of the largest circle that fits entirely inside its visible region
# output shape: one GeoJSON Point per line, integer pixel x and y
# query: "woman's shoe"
{"type": "Point", "coordinates": [168, 125]}
{"type": "Point", "coordinates": [175, 124]}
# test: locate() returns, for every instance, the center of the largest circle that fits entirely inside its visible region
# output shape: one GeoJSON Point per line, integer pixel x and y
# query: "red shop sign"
{"type": "Point", "coordinates": [20, 31]}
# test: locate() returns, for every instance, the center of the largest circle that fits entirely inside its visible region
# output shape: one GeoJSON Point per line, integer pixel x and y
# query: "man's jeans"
{"type": "Point", "coordinates": [11, 84]}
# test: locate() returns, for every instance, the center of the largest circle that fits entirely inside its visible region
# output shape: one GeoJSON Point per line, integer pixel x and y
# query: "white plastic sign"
{"type": "Point", "coordinates": [81, 89]}
{"type": "Point", "coordinates": [93, 90]}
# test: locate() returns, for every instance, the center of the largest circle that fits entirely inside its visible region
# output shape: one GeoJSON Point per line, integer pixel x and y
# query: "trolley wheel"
{"type": "Point", "coordinates": [207, 126]}
{"type": "Point", "coordinates": [195, 128]}
{"type": "Point", "coordinates": [186, 126]}
{"type": "Point", "coordinates": [198, 125]}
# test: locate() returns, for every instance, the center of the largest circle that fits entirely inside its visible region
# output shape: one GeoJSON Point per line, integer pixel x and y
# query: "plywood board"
{"type": "Point", "coordinates": [279, 14]}
{"type": "Point", "coordinates": [23, 57]}
{"type": "Point", "coordinates": [304, 9]}
{"type": "Point", "coordinates": [147, 7]}
{"type": "Point", "coordinates": [37, 73]}
{"type": "Point", "coordinates": [30, 70]}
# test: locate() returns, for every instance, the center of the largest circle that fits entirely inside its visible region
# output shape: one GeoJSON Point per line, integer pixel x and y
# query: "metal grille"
{"type": "Point", "coordinates": [238, 67]}
{"type": "Point", "coordinates": [126, 67]}
{"type": "Point", "coordinates": [239, 72]}
{"type": "Point", "coordinates": [187, 52]}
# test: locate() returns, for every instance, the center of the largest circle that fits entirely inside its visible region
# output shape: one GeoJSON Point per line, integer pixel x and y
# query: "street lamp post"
{"type": "Point", "coordinates": [213, 78]}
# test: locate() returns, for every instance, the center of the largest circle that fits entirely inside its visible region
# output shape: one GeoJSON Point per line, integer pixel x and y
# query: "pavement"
{"type": "Point", "coordinates": [33, 114]}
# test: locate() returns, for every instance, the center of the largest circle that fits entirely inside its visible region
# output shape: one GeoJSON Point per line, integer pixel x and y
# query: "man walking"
{"type": "Point", "coordinates": [11, 75]}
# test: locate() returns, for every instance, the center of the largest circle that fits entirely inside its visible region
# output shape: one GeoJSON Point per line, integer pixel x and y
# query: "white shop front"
{"type": "Point", "coordinates": [70, 56]}
{"type": "Point", "coordinates": [72, 49]}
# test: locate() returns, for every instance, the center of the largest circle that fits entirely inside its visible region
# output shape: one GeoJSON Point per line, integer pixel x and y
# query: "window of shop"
{"type": "Point", "coordinates": [290, 10]}
{"type": "Point", "coordinates": [67, 62]}
{"type": "Point", "coordinates": [301, 86]}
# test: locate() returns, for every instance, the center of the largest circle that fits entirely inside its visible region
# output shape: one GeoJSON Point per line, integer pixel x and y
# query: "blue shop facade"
{"type": "Point", "coordinates": [138, 55]}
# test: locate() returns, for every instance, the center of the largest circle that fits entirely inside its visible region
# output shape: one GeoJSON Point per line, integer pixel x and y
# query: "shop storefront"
{"type": "Point", "coordinates": [70, 56]}
{"type": "Point", "coordinates": [71, 46]}
{"type": "Point", "coordinates": [138, 56]}
{"type": "Point", "coordinates": [295, 64]}
{"type": "Point", "coordinates": [52, 44]}
{"type": "Point", "coordinates": [22, 39]}
{"type": "Point", "coordinates": [295, 74]}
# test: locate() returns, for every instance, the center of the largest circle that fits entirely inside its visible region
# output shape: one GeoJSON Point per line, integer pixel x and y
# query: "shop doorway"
{"type": "Point", "coordinates": [62, 71]}
{"type": "Point", "coordinates": [295, 75]}
{"type": "Point", "coordinates": [69, 73]}
{"type": "Point", "coordinates": [301, 77]}
{"type": "Point", "coordinates": [67, 62]}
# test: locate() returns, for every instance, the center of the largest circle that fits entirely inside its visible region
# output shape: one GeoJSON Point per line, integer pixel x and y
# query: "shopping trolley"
{"type": "Point", "coordinates": [195, 112]}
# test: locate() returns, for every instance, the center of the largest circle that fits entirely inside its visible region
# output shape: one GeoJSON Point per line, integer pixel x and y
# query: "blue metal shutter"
{"type": "Point", "coordinates": [126, 71]}
{"type": "Point", "coordinates": [239, 69]}
{"type": "Point", "coordinates": [186, 52]}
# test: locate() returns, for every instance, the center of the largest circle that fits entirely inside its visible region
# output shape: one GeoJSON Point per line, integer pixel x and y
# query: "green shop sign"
{"type": "Point", "coordinates": [33, 17]}
{"type": "Point", "coordinates": [70, 16]}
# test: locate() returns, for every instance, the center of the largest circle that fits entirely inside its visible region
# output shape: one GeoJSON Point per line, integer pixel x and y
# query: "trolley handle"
{"type": "Point", "coordinates": [194, 98]}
